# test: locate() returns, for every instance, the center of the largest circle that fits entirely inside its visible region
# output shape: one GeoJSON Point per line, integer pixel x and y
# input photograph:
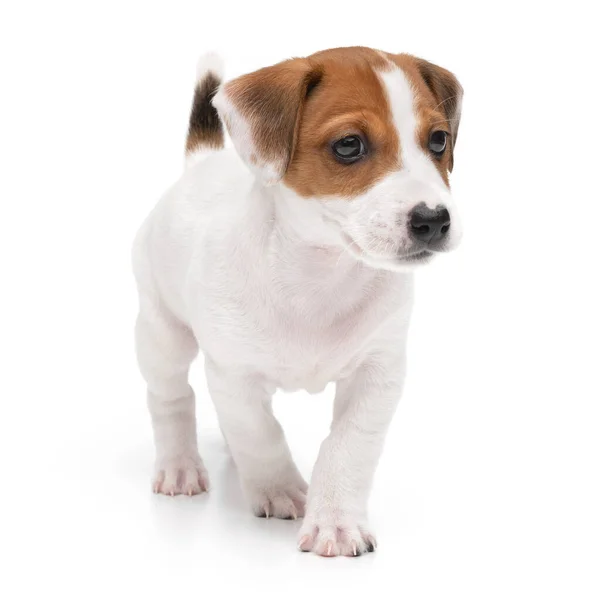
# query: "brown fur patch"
{"type": "Point", "coordinates": [205, 127]}
{"type": "Point", "coordinates": [348, 100]}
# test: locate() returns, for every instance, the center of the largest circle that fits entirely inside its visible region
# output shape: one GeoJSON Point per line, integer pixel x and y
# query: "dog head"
{"type": "Point", "coordinates": [363, 139]}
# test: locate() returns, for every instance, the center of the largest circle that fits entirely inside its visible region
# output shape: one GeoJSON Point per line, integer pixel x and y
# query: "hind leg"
{"type": "Point", "coordinates": [165, 350]}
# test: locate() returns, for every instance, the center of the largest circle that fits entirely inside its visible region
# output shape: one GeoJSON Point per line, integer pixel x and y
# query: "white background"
{"type": "Point", "coordinates": [489, 485]}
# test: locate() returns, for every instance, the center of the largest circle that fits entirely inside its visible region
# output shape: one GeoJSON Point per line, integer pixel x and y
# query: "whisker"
{"type": "Point", "coordinates": [445, 100]}
{"type": "Point", "coordinates": [445, 121]}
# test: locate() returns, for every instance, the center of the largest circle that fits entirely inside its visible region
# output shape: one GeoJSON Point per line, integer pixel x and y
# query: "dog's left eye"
{"type": "Point", "coordinates": [437, 142]}
{"type": "Point", "coordinates": [349, 149]}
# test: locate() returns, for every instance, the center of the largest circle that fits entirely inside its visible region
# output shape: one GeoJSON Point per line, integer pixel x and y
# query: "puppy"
{"type": "Point", "coordinates": [289, 262]}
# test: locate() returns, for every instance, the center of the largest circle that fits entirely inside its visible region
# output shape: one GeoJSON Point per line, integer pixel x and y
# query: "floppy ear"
{"type": "Point", "coordinates": [262, 113]}
{"type": "Point", "coordinates": [447, 91]}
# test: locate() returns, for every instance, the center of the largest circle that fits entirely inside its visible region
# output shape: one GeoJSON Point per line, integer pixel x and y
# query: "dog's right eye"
{"type": "Point", "coordinates": [349, 149]}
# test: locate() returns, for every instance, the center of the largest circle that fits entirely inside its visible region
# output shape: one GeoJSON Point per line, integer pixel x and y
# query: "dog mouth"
{"type": "Point", "coordinates": [420, 257]}
{"type": "Point", "coordinates": [416, 258]}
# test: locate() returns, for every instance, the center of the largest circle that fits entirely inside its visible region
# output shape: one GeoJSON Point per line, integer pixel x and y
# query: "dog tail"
{"type": "Point", "coordinates": [205, 131]}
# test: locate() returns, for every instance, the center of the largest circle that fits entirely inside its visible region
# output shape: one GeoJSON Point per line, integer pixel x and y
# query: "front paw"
{"type": "Point", "coordinates": [183, 474]}
{"type": "Point", "coordinates": [282, 499]}
{"type": "Point", "coordinates": [334, 533]}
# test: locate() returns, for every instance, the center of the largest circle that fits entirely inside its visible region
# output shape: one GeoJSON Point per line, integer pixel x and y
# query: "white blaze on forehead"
{"type": "Point", "coordinates": [401, 97]}
{"type": "Point", "coordinates": [418, 179]}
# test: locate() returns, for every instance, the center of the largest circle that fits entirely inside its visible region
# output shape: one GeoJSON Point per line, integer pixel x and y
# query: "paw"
{"type": "Point", "coordinates": [282, 500]}
{"type": "Point", "coordinates": [180, 475]}
{"type": "Point", "coordinates": [332, 534]}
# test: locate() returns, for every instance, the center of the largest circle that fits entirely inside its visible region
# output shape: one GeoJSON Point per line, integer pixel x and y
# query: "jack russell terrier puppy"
{"type": "Point", "coordinates": [289, 262]}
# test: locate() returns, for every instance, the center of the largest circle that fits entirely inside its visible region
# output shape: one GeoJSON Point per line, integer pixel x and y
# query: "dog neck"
{"type": "Point", "coordinates": [300, 236]}
{"type": "Point", "coordinates": [305, 260]}
{"type": "Point", "coordinates": [301, 220]}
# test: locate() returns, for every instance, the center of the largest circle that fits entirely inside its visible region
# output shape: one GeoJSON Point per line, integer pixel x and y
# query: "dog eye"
{"type": "Point", "coordinates": [437, 142]}
{"type": "Point", "coordinates": [349, 149]}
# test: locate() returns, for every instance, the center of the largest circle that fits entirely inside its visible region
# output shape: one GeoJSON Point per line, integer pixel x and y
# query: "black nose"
{"type": "Point", "coordinates": [429, 225]}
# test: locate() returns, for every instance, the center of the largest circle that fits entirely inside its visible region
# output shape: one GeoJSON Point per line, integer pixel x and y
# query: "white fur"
{"type": "Point", "coordinates": [209, 63]}
{"type": "Point", "coordinates": [281, 292]}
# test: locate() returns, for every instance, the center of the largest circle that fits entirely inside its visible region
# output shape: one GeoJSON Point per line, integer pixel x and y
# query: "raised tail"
{"type": "Point", "coordinates": [205, 130]}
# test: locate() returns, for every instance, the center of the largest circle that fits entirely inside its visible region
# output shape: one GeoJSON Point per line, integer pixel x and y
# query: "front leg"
{"type": "Point", "coordinates": [336, 516]}
{"type": "Point", "coordinates": [269, 477]}
{"type": "Point", "coordinates": [165, 350]}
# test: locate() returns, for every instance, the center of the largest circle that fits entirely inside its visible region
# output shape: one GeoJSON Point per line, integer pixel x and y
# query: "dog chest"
{"type": "Point", "coordinates": [291, 353]}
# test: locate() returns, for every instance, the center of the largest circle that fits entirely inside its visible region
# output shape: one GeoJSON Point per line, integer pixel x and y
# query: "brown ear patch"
{"type": "Point", "coordinates": [349, 99]}
{"type": "Point", "coordinates": [270, 101]}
